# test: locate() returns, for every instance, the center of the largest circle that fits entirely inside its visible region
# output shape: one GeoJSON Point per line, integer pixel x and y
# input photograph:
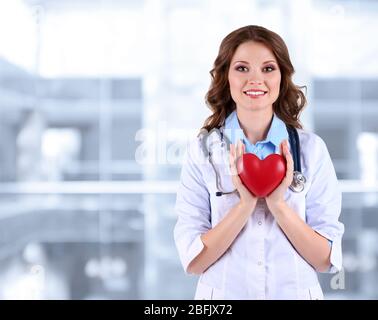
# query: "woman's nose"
{"type": "Point", "coordinates": [255, 81]}
{"type": "Point", "coordinates": [255, 77]}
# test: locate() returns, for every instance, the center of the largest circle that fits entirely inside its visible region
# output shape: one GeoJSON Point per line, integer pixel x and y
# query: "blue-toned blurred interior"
{"type": "Point", "coordinates": [97, 102]}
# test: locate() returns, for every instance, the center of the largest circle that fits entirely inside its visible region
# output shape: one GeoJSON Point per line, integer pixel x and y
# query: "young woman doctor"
{"type": "Point", "coordinates": [241, 246]}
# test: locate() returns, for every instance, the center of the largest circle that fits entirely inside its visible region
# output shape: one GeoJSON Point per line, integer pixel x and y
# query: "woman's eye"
{"type": "Point", "coordinates": [268, 69]}
{"type": "Point", "coordinates": [241, 68]}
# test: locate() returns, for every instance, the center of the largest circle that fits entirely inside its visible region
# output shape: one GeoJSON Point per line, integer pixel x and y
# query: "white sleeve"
{"type": "Point", "coordinates": [192, 207]}
{"type": "Point", "coordinates": [323, 202]}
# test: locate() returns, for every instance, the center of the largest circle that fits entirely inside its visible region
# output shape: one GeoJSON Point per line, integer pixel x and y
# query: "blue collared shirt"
{"type": "Point", "coordinates": [277, 133]}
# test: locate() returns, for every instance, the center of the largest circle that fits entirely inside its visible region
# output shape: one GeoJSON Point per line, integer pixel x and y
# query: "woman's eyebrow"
{"type": "Point", "coordinates": [248, 63]}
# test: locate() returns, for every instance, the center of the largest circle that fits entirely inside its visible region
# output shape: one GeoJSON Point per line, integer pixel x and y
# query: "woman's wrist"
{"type": "Point", "coordinates": [246, 207]}
{"type": "Point", "coordinates": [278, 207]}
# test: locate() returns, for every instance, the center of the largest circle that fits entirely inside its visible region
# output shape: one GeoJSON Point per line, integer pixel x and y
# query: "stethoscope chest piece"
{"type": "Point", "coordinates": [298, 183]}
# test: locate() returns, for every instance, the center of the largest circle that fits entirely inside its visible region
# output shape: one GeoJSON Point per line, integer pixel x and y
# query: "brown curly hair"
{"type": "Point", "coordinates": [291, 99]}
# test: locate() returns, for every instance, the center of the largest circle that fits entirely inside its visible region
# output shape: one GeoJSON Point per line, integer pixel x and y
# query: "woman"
{"type": "Point", "coordinates": [244, 247]}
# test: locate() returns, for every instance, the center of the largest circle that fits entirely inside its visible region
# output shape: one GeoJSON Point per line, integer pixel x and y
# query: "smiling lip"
{"type": "Point", "coordinates": [255, 93]}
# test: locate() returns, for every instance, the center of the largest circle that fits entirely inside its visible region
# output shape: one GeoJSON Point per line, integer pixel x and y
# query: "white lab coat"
{"type": "Point", "coordinates": [261, 263]}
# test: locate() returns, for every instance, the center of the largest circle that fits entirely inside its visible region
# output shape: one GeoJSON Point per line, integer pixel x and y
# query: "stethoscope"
{"type": "Point", "coordinates": [299, 180]}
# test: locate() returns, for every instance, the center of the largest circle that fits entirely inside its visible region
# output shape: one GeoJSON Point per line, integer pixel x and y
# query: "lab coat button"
{"type": "Point", "coordinates": [260, 223]}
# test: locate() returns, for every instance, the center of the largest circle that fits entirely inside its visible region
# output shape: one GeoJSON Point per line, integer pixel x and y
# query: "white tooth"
{"type": "Point", "coordinates": [254, 93]}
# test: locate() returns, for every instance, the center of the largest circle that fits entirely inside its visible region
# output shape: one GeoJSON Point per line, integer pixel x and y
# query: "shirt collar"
{"type": "Point", "coordinates": [277, 131]}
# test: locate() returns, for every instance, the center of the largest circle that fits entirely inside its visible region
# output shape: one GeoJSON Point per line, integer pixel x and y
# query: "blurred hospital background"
{"type": "Point", "coordinates": [97, 102]}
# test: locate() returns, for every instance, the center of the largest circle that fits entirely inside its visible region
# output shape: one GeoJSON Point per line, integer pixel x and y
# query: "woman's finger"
{"type": "Point", "coordinates": [282, 148]}
{"type": "Point", "coordinates": [289, 163]}
{"type": "Point", "coordinates": [289, 157]}
{"type": "Point", "coordinates": [232, 160]}
{"type": "Point", "coordinates": [240, 153]}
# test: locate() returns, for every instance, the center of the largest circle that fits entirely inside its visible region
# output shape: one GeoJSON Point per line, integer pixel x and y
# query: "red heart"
{"type": "Point", "coordinates": [261, 177]}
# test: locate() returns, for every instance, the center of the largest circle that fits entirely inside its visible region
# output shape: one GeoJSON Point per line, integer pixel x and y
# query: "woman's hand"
{"type": "Point", "coordinates": [275, 200]}
{"type": "Point", "coordinates": [247, 199]}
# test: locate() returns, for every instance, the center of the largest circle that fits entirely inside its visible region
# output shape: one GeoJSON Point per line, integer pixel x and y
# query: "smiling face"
{"type": "Point", "coordinates": [254, 77]}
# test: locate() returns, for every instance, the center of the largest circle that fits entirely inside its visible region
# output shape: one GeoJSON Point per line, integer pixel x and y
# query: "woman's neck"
{"type": "Point", "coordinates": [255, 124]}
